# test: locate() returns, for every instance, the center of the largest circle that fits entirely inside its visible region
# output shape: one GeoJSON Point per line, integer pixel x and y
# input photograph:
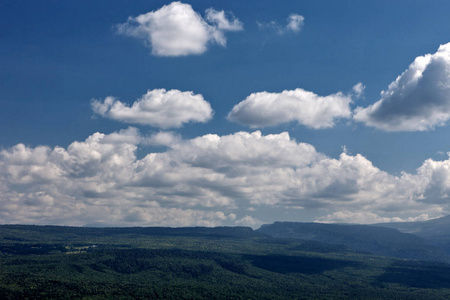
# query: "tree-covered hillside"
{"type": "Point", "coordinates": [50, 262]}
{"type": "Point", "coordinates": [361, 238]}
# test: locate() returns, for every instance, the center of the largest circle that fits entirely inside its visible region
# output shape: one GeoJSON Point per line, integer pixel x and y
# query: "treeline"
{"type": "Point", "coordinates": [52, 231]}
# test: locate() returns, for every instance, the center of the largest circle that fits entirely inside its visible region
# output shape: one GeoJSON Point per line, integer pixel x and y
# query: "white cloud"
{"type": "Point", "coordinates": [162, 138]}
{"type": "Point", "coordinates": [358, 90]}
{"type": "Point", "coordinates": [157, 108]}
{"type": "Point", "coordinates": [364, 217]}
{"type": "Point", "coordinates": [249, 221]}
{"type": "Point", "coordinates": [418, 100]}
{"type": "Point", "coordinates": [209, 180]}
{"type": "Point", "coordinates": [222, 22]}
{"type": "Point", "coordinates": [294, 23]}
{"type": "Point", "coordinates": [358, 218]}
{"type": "Point", "coordinates": [176, 29]}
{"type": "Point", "coordinates": [269, 109]}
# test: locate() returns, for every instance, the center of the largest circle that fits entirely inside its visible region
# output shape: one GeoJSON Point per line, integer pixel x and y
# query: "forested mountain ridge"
{"type": "Point", "coordinates": [375, 239]}
{"type": "Point", "coordinates": [71, 231]}
{"type": "Point", "coordinates": [60, 262]}
{"type": "Point", "coordinates": [430, 228]}
{"type": "Point", "coordinates": [361, 238]}
{"type": "Point", "coordinates": [435, 231]}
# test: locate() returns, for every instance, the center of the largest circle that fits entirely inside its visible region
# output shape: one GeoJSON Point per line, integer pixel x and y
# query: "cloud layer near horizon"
{"type": "Point", "coordinates": [269, 109]}
{"type": "Point", "coordinates": [177, 30]}
{"type": "Point", "coordinates": [157, 108]}
{"type": "Point", "coordinates": [418, 100]}
{"type": "Point", "coordinates": [209, 180]}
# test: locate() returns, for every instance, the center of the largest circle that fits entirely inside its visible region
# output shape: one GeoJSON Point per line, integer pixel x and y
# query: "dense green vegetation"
{"type": "Point", "coordinates": [42, 262]}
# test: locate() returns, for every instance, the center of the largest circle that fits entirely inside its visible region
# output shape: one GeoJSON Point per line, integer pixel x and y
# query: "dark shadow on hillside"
{"type": "Point", "coordinates": [284, 264]}
{"type": "Point", "coordinates": [175, 261]}
{"type": "Point", "coordinates": [28, 249]}
{"type": "Point", "coordinates": [314, 246]}
{"type": "Point", "coordinates": [417, 274]}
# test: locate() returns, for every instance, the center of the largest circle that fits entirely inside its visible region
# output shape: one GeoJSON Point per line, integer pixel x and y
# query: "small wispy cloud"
{"type": "Point", "coordinates": [358, 90]}
{"type": "Point", "coordinates": [294, 23]}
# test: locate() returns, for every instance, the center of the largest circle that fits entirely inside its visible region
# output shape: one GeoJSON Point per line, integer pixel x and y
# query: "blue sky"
{"type": "Point", "coordinates": [223, 112]}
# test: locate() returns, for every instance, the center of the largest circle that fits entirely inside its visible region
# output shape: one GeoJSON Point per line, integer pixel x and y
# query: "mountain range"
{"type": "Point", "coordinates": [426, 240]}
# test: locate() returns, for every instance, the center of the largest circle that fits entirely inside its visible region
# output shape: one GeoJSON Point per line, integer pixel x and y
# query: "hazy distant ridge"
{"type": "Point", "coordinates": [362, 238]}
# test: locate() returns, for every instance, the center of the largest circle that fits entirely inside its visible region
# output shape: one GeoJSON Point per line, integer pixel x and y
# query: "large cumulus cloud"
{"type": "Point", "coordinates": [176, 29]}
{"type": "Point", "coordinates": [307, 108]}
{"type": "Point", "coordinates": [418, 100]}
{"type": "Point", "coordinates": [209, 180]}
{"type": "Point", "coordinates": [158, 108]}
